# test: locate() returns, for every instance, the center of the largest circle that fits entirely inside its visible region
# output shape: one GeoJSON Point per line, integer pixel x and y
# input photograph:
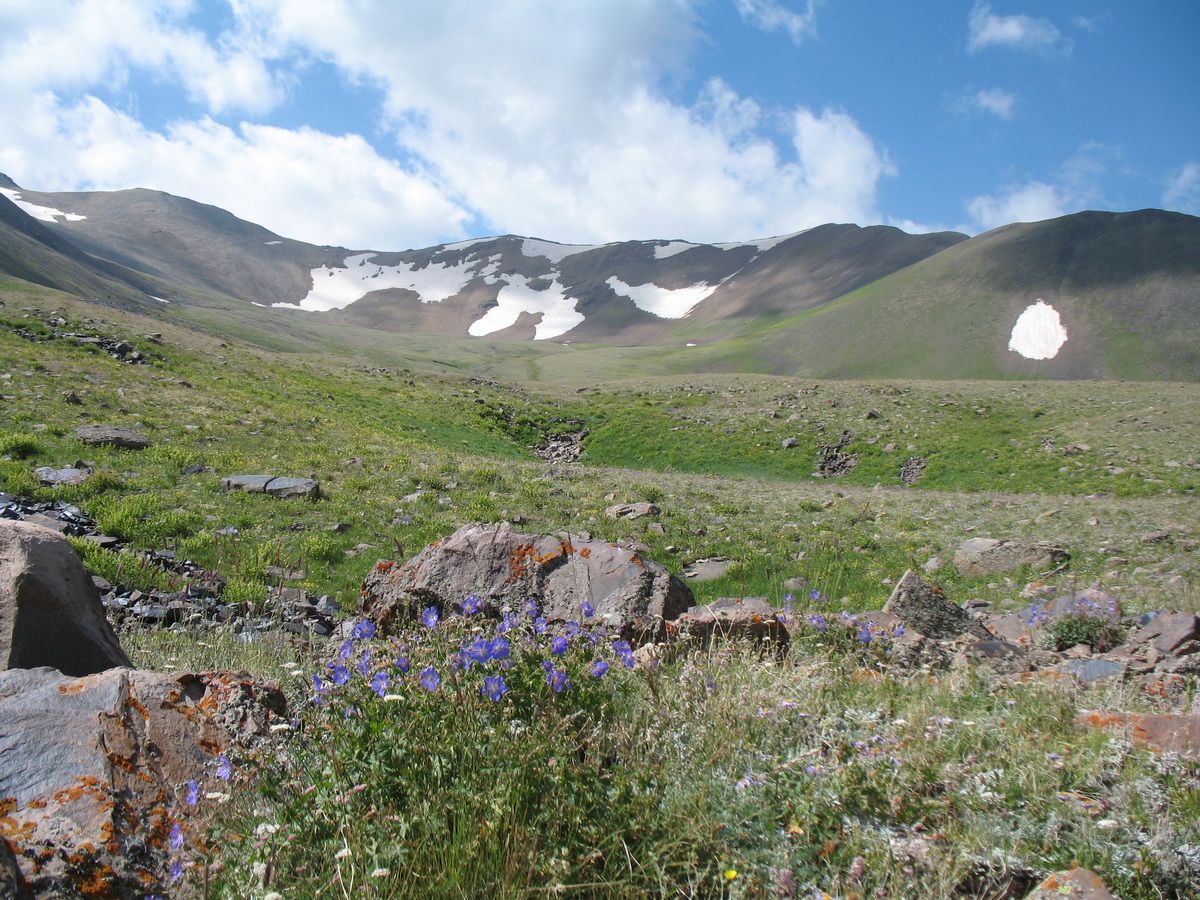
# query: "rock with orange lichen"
{"type": "Point", "coordinates": [92, 768]}
{"type": "Point", "coordinates": [1077, 884]}
{"type": "Point", "coordinates": [1160, 733]}
{"type": "Point", "coordinates": [506, 568]}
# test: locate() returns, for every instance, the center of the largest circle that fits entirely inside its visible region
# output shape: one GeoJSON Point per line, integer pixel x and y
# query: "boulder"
{"type": "Point", "coordinates": [113, 435]}
{"type": "Point", "coordinates": [50, 611]}
{"type": "Point", "coordinates": [751, 618]}
{"type": "Point", "coordinates": [1078, 884]}
{"type": "Point", "coordinates": [988, 556]}
{"type": "Point", "coordinates": [272, 484]}
{"type": "Point", "coordinates": [924, 608]}
{"type": "Point", "coordinates": [1001, 657]}
{"type": "Point", "coordinates": [92, 769]}
{"type": "Point", "coordinates": [506, 567]}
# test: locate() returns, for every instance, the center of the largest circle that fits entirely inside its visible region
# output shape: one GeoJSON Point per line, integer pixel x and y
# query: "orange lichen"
{"type": "Point", "coordinates": [73, 688]}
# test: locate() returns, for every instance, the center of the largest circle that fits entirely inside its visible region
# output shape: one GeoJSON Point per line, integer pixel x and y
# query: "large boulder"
{"type": "Point", "coordinates": [925, 609]}
{"type": "Point", "coordinates": [506, 568]}
{"type": "Point", "coordinates": [50, 611]}
{"type": "Point", "coordinates": [989, 556]}
{"type": "Point", "coordinates": [93, 770]}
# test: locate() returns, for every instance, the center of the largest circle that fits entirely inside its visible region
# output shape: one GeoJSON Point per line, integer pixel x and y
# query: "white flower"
{"type": "Point", "coordinates": [381, 873]}
{"type": "Point", "coordinates": [265, 829]}
{"type": "Point", "coordinates": [343, 853]}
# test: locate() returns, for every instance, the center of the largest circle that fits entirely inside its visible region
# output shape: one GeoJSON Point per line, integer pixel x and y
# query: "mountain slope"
{"type": "Point", "coordinates": [1125, 285]}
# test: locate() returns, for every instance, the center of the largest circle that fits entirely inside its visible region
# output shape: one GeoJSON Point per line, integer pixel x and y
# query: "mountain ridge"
{"type": "Point", "coordinates": [834, 300]}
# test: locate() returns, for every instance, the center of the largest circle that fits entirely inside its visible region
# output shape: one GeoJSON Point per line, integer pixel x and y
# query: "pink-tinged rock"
{"type": "Point", "coordinates": [50, 610]}
{"type": "Point", "coordinates": [92, 768]}
{"type": "Point", "coordinates": [1168, 632]}
{"type": "Point", "coordinates": [1160, 733]}
{"type": "Point", "coordinates": [1077, 884]}
{"type": "Point", "coordinates": [1011, 627]}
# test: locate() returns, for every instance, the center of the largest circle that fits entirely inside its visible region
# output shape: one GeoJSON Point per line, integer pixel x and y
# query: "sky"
{"type": "Point", "coordinates": [398, 124]}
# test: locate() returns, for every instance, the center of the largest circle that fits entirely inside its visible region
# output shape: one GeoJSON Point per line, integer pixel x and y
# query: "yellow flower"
{"type": "Point", "coordinates": [730, 874]}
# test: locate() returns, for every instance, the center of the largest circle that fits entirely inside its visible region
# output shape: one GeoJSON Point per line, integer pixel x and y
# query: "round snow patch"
{"type": "Point", "coordinates": [1038, 333]}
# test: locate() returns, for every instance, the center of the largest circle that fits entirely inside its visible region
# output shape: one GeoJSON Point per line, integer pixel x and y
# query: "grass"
{"type": "Point", "coordinates": [647, 781]}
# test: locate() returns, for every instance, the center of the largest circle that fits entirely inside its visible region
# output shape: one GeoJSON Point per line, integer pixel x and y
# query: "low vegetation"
{"type": "Point", "coordinates": [714, 774]}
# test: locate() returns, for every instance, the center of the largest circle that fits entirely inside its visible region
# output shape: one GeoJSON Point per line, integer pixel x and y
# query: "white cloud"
{"type": "Point", "coordinates": [69, 45]}
{"type": "Point", "coordinates": [299, 183]}
{"type": "Point", "coordinates": [1077, 185]}
{"type": "Point", "coordinates": [1183, 190]}
{"type": "Point", "coordinates": [1019, 32]}
{"type": "Point", "coordinates": [1030, 202]}
{"type": "Point", "coordinates": [554, 120]}
{"type": "Point", "coordinates": [772, 15]}
{"type": "Point", "coordinates": [993, 101]}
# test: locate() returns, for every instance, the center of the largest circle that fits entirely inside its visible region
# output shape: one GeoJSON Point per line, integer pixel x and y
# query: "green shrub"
{"type": "Point", "coordinates": [19, 446]}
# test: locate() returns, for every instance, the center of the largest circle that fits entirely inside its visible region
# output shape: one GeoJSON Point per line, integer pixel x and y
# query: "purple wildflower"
{"type": "Point", "coordinates": [557, 680]}
{"type": "Point", "coordinates": [363, 630]}
{"type": "Point", "coordinates": [176, 836]}
{"type": "Point", "coordinates": [379, 683]}
{"type": "Point", "coordinates": [403, 664]}
{"type": "Point", "coordinates": [531, 608]}
{"type": "Point", "coordinates": [340, 674]}
{"type": "Point", "coordinates": [429, 618]}
{"type": "Point", "coordinates": [472, 605]}
{"type": "Point", "coordinates": [865, 635]}
{"type": "Point", "coordinates": [494, 687]}
{"type": "Point", "coordinates": [559, 645]}
{"type": "Point", "coordinates": [498, 649]}
{"type": "Point", "coordinates": [571, 629]}
{"type": "Point", "coordinates": [599, 668]}
{"type": "Point", "coordinates": [224, 767]}
{"type": "Point", "coordinates": [346, 649]}
{"type": "Point", "coordinates": [176, 870]}
{"type": "Point", "coordinates": [816, 595]}
{"type": "Point", "coordinates": [539, 625]}
{"type": "Point", "coordinates": [818, 622]}
{"type": "Point", "coordinates": [364, 664]}
{"type": "Point", "coordinates": [430, 679]}
{"type": "Point", "coordinates": [193, 794]}
{"type": "Point", "coordinates": [587, 609]}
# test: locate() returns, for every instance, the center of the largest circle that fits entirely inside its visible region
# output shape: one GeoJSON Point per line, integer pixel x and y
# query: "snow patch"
{"type": "Point", "coordinates": [666, 303]}
{"type": "Point", "coordinates": [1038, 332]}
{"type": "Point", "coordinates": [336, 287]}
{"type": "Point", "coordinates": [671, 248]}
{"type": "Point", "coordinates": [41, 213]}
{"type": "Point", "coordinates": [159, 299]}
{"type": "Point", "coordinates": [762, 245]}
{"type": "Point", "coordinates": [556, 253]}
{"type": "Point", "coordinates": [272, 243]}
{"type": "Point", "coordinates": [558, 310]}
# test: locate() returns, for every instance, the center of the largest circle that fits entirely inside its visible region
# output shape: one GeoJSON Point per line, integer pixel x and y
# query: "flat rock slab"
{"type": "Point", "coordinates": [1087, 671]}
{"type": "Point", "coordinates": [68, 475]}
{"type": "Point", "coordinates": [1168, 632]}
{"type": "Point", "coordinates": [506, 567]}
{"type": "Point", "coordinates": [631, 510]}
{"type": "Point", "coordinates": [989, 556]}
{"type": "Point", "coordinates": [50, 610]}
{"type": "Point", "coordinates": [708, 569]}
{"type": "Point", "coordinates": [91, 768]}
{"type": "Point", "coordinates": [1163, 734]}
{"type": "Point", "coordinates": [924, 608]}
{"type": "Point", "coordinates": [277, 486]}
{"type": "Point", "coordinates": [1076, 884]}
{"type": "Point", "coordinates": [113, 435]}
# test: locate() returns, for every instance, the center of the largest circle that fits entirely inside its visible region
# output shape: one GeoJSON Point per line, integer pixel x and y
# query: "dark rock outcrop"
{"type": "Point", "coordinates": [112, 435]}
{"type": "Point", "coordinates": [924, 608]}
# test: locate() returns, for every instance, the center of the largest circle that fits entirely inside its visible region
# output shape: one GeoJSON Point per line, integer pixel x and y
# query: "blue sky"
{"type": "Point", "coordinates": [390, 124]}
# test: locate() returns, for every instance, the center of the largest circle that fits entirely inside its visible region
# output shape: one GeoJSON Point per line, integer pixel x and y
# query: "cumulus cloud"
{"type": "Point", "coordinates": [1183, 190]}
{"type": "Point", "coordinates": [1020, 32]}
{"type": "Point", "coordinates": [992, 101]}
{"type": "Point", "coordinates": [772, 15]}
{"type": "Point", "coordinates": [1076, 185]}
{"type": "Point", "coordinates": [557, 120]}
{"type": "Point", "coordinates": [1030, 202]}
